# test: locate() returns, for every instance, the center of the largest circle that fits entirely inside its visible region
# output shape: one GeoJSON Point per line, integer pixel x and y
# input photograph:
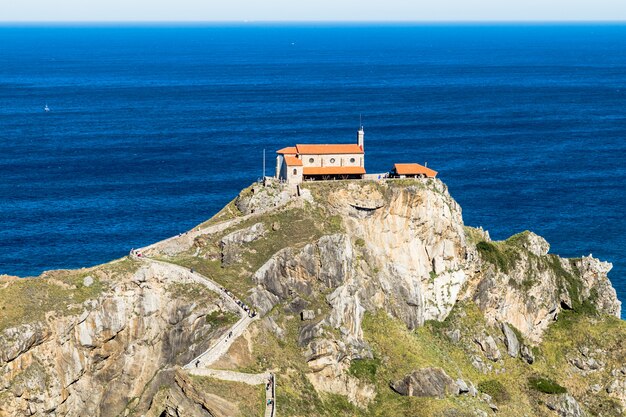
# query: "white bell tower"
{"type": "Point", "coordinates": [360, 137]}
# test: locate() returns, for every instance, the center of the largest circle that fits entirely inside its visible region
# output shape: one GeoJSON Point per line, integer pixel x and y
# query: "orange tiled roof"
{"type": "Point", "coordinates": [328, 149]}
{"type": "Point", "coordinates": [333, 170]}
{"type": "Point", "coordinates": [292, 161]}
{"type": "Point", "coordinates": [289, 150]}
{"type": "Point", "coordinates": [414, 169]}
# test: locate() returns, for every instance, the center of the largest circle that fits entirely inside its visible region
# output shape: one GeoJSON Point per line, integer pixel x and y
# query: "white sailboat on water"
{"type": "Point", "coordinates": [46, 108]}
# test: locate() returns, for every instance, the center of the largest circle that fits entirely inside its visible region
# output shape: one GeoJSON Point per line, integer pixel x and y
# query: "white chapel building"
{"type": "Point", "coordinates": [295, 164]}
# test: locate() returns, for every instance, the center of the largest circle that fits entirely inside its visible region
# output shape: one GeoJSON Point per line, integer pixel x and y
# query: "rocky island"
{"type": "Point", "coordinates": [344, 298]}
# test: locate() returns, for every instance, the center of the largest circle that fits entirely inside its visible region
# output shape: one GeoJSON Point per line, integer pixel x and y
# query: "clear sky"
{"type": "Point", "coordinates": [312, 10]}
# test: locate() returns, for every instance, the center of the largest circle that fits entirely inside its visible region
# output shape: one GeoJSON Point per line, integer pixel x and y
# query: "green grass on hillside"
{"type": "Point", "coordinates": [27, 300]}
{"type": "Point", "coordinates": [191, 292]}
{"type": "Point", "coordinates": [364, 369]}
{"type": "Point", "coordinates": [250, 399]}
{"type": "Point", "coordinates": [290, 227]}
{"type": "Point", "coordinates": [499, 254]}
{"type": "Point", "coordinates": [401, 351]}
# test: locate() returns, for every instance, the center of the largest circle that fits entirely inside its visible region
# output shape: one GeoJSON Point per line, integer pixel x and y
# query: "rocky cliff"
{"type": "Point", "coordinates": [376, 300]}
{"type": "Point", "coordinates": [102, 355]}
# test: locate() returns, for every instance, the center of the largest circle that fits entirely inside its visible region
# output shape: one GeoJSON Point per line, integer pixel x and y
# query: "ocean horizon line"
{"type": "Point", "coordinates": [297, 22]}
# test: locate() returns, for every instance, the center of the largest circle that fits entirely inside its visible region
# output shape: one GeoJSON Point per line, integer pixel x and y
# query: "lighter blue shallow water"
{"type": "Point", "coordinates": [154, 129]}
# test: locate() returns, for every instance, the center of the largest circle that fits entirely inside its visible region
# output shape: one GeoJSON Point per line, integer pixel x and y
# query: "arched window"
{"type": "Point", "coordinates": [352, 160]}
{"type": "Point", "coordinates": [311, 160]}
{"type": "Point", "coordinates": [295, 171]}
{"type": "Point", "coordinates": [332, 160]}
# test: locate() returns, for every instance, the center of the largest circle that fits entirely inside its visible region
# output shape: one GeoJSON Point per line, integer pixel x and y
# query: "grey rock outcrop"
{"type": "Point", "coordinates": [454, 335]}
{"type": "Point", "coordinates": [259, 198]}
{"type": "Point", "coordinates": [593, 274]}
{"type": "Point", "coordinates": [535, 244]}
{"type": "Point", "coordinates": [307, 315]}
{"type": "Point", "coordinates": [231, 243]}
{"type": "Point", "coordinates": [186, 400]}
{"type": "Point", "coordinates": [463, 387]}
{"type": "Point", "coordinates": [18, 340]}
{"type": "Point", "coordinates": [510, 340]}
{"type": "Point", "coordinates": [527, 354]}
{"type": "Point", "coordinates": [426, 382]}
{"type": "Point", "coordinates": [489, 347]}
{"type": "Point", "coordinates": [328, 261]}
{"type": "Point", "coordinates": [565, 406]}
{"type": "Point", "coordinates": [262, 300]}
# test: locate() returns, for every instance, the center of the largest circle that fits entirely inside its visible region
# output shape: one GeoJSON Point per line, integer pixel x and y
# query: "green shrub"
{"type": "Point", "coordinates": [495, 389]}
{"type": "Point", "coordinates": [500, 255]}
{"type": "Point", "coordinates": [364, 369]}
{"type": "Point", "coordinates": [221, 318]}
{"type": "Point", "coordinates": [545, 385]}
{"type": "Point", "coordinates": [433, 276]}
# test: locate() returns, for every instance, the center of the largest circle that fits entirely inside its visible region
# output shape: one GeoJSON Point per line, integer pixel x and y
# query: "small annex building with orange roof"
{"type": "Point", "coordinates": [306, 162]}
{"type": "Point", "coordinates": [412, 171]}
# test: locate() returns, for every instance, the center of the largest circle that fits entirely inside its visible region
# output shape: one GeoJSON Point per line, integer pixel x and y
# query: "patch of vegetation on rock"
{"type": "Point", "coordinates": [545, 385]}
{"type": "Point", "coordinates": [495, 389]}
{"type": "Point", "coordinates": [573, 285]}
{"type": "Point", "coordinates": [191, 292]}
{"type": "Point", "coordinates": [250, 399]}
{"type": "Point", "coordinates": [473, 235]}
{"type": "Point", "coordinates": [364, 369]}
{"type": "Point", "coordinates": [222, 318]}
{"type": "Point", "coordinates": [27, 300]}
{"type": "Point", "coordinates": [499, 254]}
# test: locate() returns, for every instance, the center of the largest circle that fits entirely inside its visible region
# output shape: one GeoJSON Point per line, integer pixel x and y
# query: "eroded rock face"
{"type": "Point", "coordinates": [327, 261]}
{"type": "Point", "coordinates": [95, 362]}
{"type": "Point", "coordinates": [535, 244]}
{"type": "Point", "coordinates": [328, 364]}
{"type": "Point", "coordinates": [426, 382]}
{"type": "Point", "coordinates": [529, 290]}
{"type": "Point", "coordinates": [413, 252]}
{"type": "Point", "coordinates": [410, 252]}
{"type": "Point", "coordinates": [17, 340]}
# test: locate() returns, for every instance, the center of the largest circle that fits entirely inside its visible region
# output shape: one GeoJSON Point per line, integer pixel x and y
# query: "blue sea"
{"type": "Point", "coordinates": [153, 129]}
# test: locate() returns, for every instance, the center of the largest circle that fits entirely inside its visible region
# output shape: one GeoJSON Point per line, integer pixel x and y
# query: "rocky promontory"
{"type": "Point", "coordinates": [373, 298]}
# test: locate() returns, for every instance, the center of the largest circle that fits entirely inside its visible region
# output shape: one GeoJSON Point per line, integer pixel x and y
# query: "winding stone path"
{"type": "Point", "coordinates": [184, 241]}
{"type": "Point", "coordinates": [250, 379]}
{"type": "Point", "coordinates": [199, 365]}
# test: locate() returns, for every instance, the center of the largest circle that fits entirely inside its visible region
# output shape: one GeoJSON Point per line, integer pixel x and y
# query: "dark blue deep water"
{"type": "Point", "coordinates": [154, 129]}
